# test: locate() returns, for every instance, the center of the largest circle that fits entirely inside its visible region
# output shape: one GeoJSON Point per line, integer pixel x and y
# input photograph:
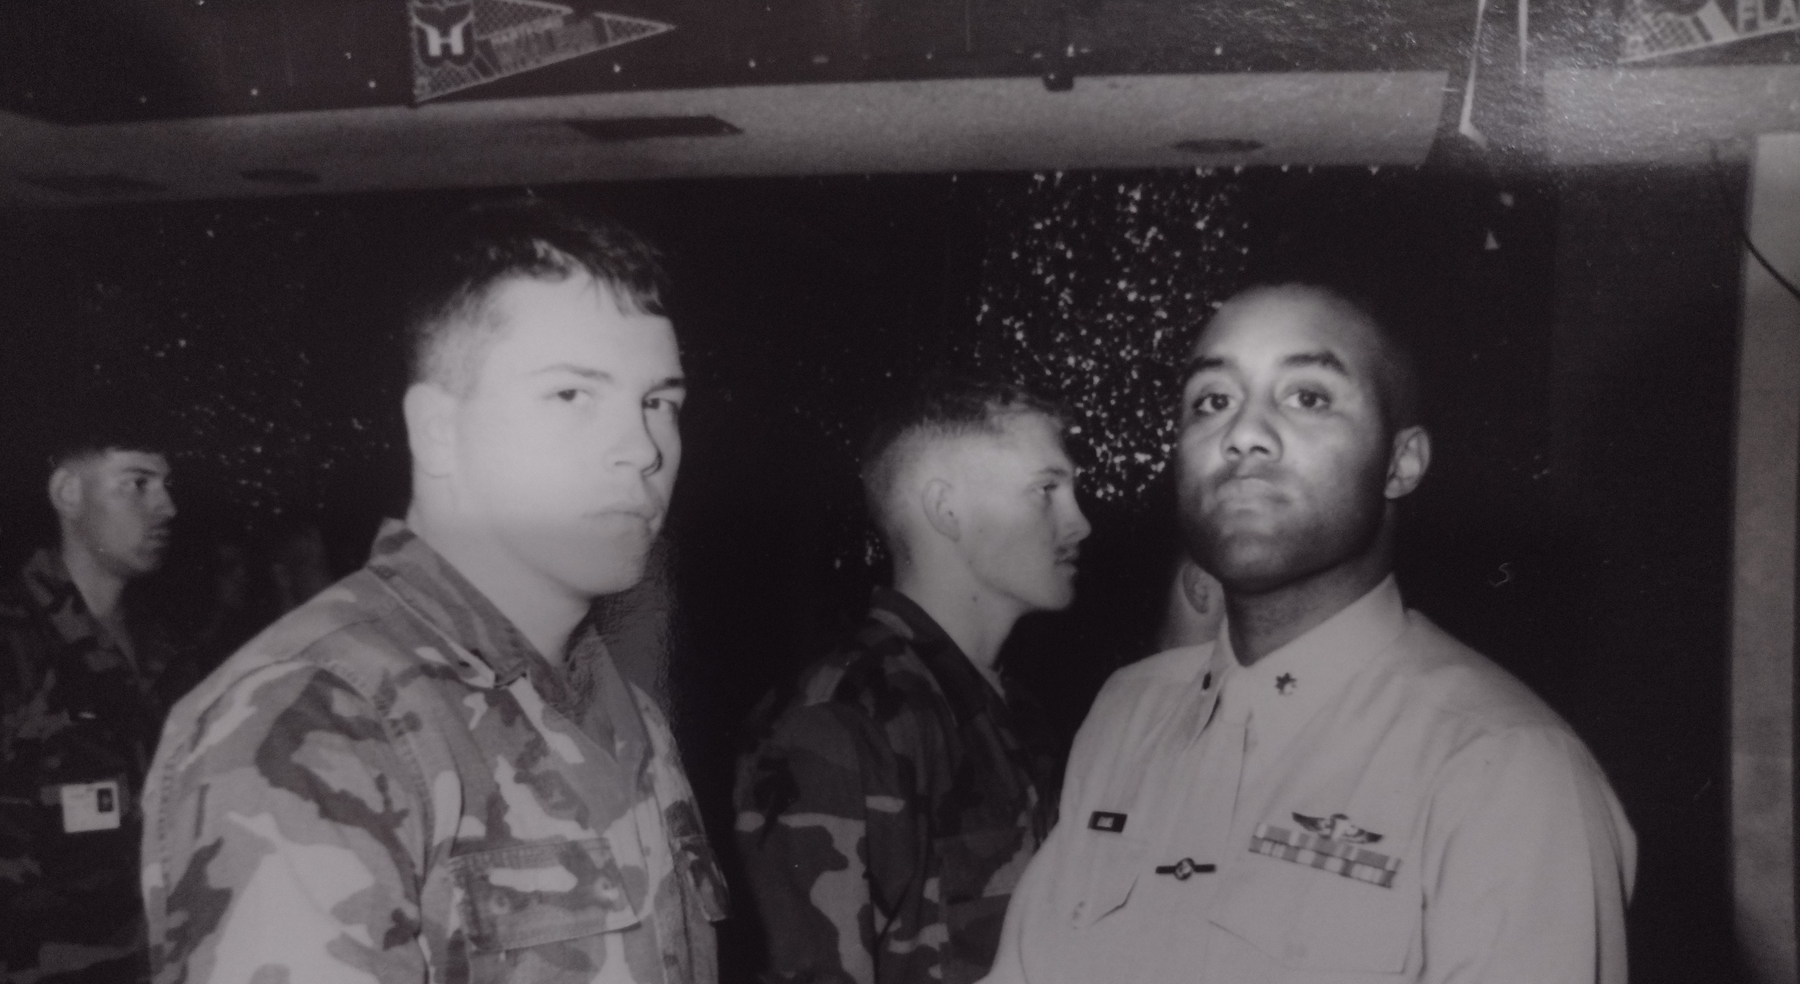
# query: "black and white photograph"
{"type": "Point", "coordinates": [853, 492]}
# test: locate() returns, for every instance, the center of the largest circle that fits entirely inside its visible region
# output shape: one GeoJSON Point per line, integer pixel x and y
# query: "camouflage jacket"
{"type": "Point", "coordinates": [887, 806]}
{"type": "Point", "coordinates": [390, 784]}
{"type": "Point", "coordinates": [78, 719]}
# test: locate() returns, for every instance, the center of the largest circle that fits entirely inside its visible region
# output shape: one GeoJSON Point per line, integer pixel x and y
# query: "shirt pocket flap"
{"type": "Point", "coordinates": [981, 863]}
{"type": "Point", "coordinates": [534, 894]}
{"type": "Point", "coordinates": [1313, 920]}
{"type": "Point", "coordinates": [1114, 863]}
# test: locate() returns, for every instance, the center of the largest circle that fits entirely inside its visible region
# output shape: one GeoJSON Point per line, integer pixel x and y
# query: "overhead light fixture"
{"type": "Point", "coordinates": [285, 176]}
{"type": "Point", "coordinates": [1218, 145]}
{"type": "Point", "coordinates": [624, 128]}
{"type": "Point", "coordinates": [94, 184]}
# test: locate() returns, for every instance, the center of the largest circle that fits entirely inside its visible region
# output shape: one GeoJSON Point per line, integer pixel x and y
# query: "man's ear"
{"type": "Point", "coordinates": [938, 499]}
{"type": "Point", "coordinates": [64, 488]}
{"type": "Point", "coordinates": [1407, 462]}
{"type": "Point", "coordinates": [431, 427]}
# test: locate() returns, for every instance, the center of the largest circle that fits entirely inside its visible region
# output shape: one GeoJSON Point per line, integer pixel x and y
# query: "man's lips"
{"type": "Point", "coordinates": [1258, 481]}
{"type": "Point", "coordinates": [1249, 491]}
{"type": "Point", "coordinates": [647, 514]}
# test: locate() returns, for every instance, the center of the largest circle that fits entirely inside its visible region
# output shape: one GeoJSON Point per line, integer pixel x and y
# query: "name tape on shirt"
{"type": "Point", "coordinates": [88, 806]}
{"type": "Point", "coordinates": [1112, 823]}
{"type": "Point", "coordinates": [1325, 854]}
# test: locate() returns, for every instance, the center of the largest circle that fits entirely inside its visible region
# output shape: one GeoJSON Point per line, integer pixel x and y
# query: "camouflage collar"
{"type": "Point", "coordinates": [428, 583]}
{"type": "Point", "coordinates": [53, 593]}
{"type": "Point", "coordinates": [47, 578]}
{"type": "Point", "coordinates": [969, 695]}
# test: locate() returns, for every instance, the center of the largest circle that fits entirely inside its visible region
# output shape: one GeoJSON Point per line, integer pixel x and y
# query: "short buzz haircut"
{"type": "Point", "coordinates": [940, 408]}
{"type": "Point", "coordinates": [1396, 370]}
{"type": "Point", "coordinates": [454, 274]}
{"type": "Point", "coordinates": [93, 420]}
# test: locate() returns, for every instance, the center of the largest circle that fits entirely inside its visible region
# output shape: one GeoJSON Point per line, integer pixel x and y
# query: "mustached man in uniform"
{"type": "Point", "coordinates": [1335, 790]}
{"type": "Point", "coordinates": [432, 771]}
{"type": "Point", "coordinates": [891, 799]}
{"type": "Point", "coordinates": [85, 679]}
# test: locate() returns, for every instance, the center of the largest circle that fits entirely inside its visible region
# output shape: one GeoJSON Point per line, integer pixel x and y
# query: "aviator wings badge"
{"type": "Point", "coordinates": [1331, 844]}
{"type": "Point", "coordinates": [1338, 828]}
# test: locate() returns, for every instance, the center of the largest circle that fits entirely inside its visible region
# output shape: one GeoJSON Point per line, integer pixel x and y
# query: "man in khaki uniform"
{"type": "Point", "coordinates": [1335, 790]}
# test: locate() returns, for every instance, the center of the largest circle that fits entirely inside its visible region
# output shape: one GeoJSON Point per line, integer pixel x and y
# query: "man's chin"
{"type": "Point", "coordinates": [144, 564]}
{"type": "Point", "coordinates": [619, 575]}
{"type": "Point", "coordinates": [1246, 568]}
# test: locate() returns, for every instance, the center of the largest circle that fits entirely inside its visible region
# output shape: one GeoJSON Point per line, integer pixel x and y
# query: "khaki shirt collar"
{"type": "Point", "coordinates": [1284, 689]}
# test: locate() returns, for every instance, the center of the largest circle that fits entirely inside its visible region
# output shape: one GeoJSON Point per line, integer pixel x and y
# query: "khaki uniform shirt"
{"type": "Point", "coordinates": [390, 784]}
{"type": "Point", "coordinates": [1372, 802]}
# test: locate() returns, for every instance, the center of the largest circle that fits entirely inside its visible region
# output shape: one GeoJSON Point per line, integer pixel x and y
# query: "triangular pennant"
{"type": "Point", "coordinates": [624, 30]}
{"type": "Point", "coordinates": [1648, 29]}
{"type": "Point", "coordinates": [458, 44]}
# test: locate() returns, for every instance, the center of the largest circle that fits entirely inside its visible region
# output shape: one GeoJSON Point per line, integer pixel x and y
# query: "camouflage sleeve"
{"type": "Point", "coordinates": [22, 718]}
{"type": "Point", "coordinates": [286, 842]}
{"type": "Point", "coordinates": [831, 850]}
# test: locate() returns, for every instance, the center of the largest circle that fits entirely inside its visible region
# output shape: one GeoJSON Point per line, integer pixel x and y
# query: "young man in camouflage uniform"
{"type": "Point", "coordinates": [83, 690]}
{"type": "Point", "coordinates": [433, 771]}
{"type": "Point", "coordinates": [892, 799]}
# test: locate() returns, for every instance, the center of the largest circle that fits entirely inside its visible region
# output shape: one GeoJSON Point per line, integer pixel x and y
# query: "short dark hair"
{"type": "Point", "coordinates": [453, 274]}
{"type": "Point", "coordinates": [1397, 382]}
{"type": "Point", "coordinates": [93, 420]}
{"type": "Point", "coordinates": [940, 407]}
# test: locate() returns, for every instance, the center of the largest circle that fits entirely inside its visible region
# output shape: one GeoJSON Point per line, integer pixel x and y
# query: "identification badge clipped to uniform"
{"type": "Point", "coordinates": [1112, 823]}
{"type": "Point", "coordinates": [89, 806]}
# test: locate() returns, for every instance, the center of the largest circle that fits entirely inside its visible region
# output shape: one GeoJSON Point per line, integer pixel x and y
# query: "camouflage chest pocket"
{"type": "Point", "coordinates": [977, 872]}
{"type": "Point", "coordinates": [538, 894]}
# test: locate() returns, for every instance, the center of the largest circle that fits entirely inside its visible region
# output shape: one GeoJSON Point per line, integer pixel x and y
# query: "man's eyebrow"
{"type": "Point", "coordinates": [585, 372]}
{"type": "Point", "coordinates": [1201, 363]}
{"type": "Point", "coordinates": [1323, 358]}
{"type": "Point", "coordinates": [602, 376]}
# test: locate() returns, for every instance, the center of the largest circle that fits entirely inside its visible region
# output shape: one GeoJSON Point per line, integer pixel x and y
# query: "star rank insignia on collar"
{"type": "Point", "coordinates": [1285, 684]}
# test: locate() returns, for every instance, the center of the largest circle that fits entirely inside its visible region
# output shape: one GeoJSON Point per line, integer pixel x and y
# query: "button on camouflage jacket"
{"type": "Point", "coordinates": [886, 807]}
{"type": "Point", "coordinates": [74, 710]}
{"type": "Point", "coordinates": [391, 785]}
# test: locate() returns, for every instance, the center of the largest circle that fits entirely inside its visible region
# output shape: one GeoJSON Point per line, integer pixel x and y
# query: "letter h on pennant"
{"type": "Point", "coordinates": [442, 30]}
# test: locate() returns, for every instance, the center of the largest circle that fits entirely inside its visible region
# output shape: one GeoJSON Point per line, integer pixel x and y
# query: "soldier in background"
{"type": "Point", "coordinates": [892, 799]}
{"type": "Point", "coordinates": [433, 770]}
{"type": "Point", "coordinates": [85, 680]}
{"type": "Point", "coordinates": [1194, 608]}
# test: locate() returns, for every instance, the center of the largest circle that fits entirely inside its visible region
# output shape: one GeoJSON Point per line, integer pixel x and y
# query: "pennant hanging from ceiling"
{"type": "Point", "coordinates": [1649, 28]}
{"type": "Point", "coordinates": [462, 43]}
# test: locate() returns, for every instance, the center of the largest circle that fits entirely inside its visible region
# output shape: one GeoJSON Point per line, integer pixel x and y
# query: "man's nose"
{"type": "Point", "coordinates": [637, 447]}
{"type": "Point", "coordinates": [1079, 528]}
{"type": "Point", "coordinates": [1251, 433]}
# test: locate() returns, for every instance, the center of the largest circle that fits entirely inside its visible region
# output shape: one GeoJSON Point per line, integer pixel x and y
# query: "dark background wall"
{"type": "Point", "coordinates": [1579, 332]}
